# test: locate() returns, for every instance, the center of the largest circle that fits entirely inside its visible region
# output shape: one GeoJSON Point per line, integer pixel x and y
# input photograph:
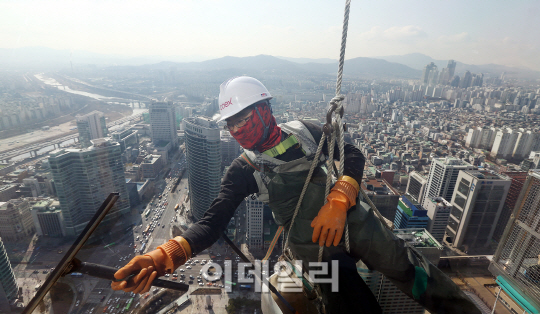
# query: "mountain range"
{"type": "Point", "coordinates": [408, 66]}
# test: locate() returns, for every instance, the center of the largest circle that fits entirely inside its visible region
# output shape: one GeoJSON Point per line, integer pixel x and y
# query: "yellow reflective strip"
{"type": "Point", "coordinates": [281, 147]}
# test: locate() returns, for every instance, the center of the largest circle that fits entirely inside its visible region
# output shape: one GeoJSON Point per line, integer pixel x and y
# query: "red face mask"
{"type": "Point", "coordinates": [251, 134]}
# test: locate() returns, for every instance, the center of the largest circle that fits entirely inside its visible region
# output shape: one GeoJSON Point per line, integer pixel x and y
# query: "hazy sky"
{"type": "Point", "coordinates": [472, 31]}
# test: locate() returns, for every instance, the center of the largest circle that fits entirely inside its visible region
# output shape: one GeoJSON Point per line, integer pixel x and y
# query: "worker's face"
{"type": "Point", "coordinates": [246, 126]}
{"type": "Point", "coordinates": [239, 120]}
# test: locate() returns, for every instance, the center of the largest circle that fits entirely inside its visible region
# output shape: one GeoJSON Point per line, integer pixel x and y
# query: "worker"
{"type": "Point", "coordinates": [274, 165]}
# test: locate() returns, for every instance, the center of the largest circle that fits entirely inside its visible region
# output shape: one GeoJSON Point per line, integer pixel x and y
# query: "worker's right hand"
{"type": "Point", "coordinates": [144, 268]}
{"type": "Point", "coordinates": [165, 259]}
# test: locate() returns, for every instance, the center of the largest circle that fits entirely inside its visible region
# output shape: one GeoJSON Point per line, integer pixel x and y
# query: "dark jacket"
{"type": "Point", "coordinates": [239, 183]}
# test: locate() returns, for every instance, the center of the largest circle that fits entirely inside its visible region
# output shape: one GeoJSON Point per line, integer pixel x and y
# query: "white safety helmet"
{"type": "Point", "coordinates": [238, 93]}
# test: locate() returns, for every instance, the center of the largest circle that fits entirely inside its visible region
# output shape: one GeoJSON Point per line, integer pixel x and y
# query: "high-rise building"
{"type": "Point", "coordinates": [254, 222]}
{"type": "Point", "coordinates": [15, 220]}
{"type": "Point", "coordinates": [388, 176]}
{"type": "Point", "coordinates": [8, 285]}
{"type": "Point", "coordinates": [230, 149]}
{"type": "Point", "coordinates": [438, 212]}
{"type": "Point", "coordinates": [473, 137]}
{"type": "Point", "coordinates": [451, 67]}
{"type": "Point", "coordinates": [397, 115]}
{"type": "Point", "coordinates": [390, 298]}
{"type": "Point", "coordinates": [163, 124]}
{"type": "Point", "coordinates": [410, 214]}
{"type": "Point", "coordinates": [428, 69]}
{"type": "Point", "coordinates": [444, 77]}
{"type": "Point", "coordinates": [518, 179]}
{"type": "Point", "coordinates": [526, 142]}
{"type": "Point", "coordinates": [466, 80]}
{"type": "Point", "coordinates": [203, 154]}
{"type": "Point", "coordinates": [433, 77]}
{"type": "Point", "coordinates": [416, 186]}
{"type": "Point", "coordinates": [91, 126]}
{"type": "Point", "coordinates": [477, 205]}
{"type": "Point", "coordinates": [84, 178]}
{"type": "Point", "coordinates": [48, 218]}
{"type": "Point", "coordinates": [487, 138]}
{"type": "Point", "coordinates": [516, 261]}
{"type": "Point", "coordinates": [383, 196]}
{"type": "Point", "coordinates": [442, 177]}
{"type": "Point", "coordinates": [126, 138]}
{"type": "Point", "coordinates": [505, 141]}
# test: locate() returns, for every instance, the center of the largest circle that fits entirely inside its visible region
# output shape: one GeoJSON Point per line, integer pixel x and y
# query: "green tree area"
{"type": "Point", "coordinates": [241, 305]}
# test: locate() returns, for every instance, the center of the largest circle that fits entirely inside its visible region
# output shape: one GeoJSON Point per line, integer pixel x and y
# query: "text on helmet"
{"type": "Point", "coordinates": [225, 104]}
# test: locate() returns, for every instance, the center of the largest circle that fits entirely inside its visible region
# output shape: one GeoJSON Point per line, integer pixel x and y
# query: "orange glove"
{"type": "Point", "coordinates": [330, 222]}
{"type": "Point", "coordinates": [165, 259]}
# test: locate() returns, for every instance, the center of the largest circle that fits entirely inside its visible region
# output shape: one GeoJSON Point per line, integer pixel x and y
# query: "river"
{"type": "Point", "coordinates": [53, 82]}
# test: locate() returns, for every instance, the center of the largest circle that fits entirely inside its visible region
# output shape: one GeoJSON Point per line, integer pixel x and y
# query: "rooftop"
{"type": "Point", "coordinates": [440, 201]}
{"type": "Point", "coordinates": [6, 186]}
{"type": "Point", "coordinates": [417, 237]}
{"type": "Point", "coordinates": [486, 175]}
{"type": "Point", "coordinates": [378, 186]}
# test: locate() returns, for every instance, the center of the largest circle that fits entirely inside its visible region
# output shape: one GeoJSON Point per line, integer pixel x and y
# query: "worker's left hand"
{"type": "Point", "coordinates": [330, 222]}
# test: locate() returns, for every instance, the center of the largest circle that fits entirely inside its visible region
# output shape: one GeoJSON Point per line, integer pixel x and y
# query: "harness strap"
{"type": "Point", "coordinates": [282, 147]}
{"type": "Point", "coordinates": [273, 243]}
{"type": "Point", "coordinates": [246, 158]}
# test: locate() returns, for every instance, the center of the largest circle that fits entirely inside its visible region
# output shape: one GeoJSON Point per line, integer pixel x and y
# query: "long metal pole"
{"type": "Point", "coordinates": [495, 304]}
{"type": "Point", "coordinates": [70, 255]}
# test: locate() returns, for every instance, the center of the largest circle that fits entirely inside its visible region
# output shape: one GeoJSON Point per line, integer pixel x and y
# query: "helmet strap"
{"type": "Point", "coordinates": [266, 128]}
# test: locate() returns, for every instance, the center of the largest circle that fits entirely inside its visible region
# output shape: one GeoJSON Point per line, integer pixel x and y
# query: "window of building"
{"type": "Point", "coordinates": [475, 219]}
{"type": "Point", "coordinates": [492, 207]}
{"type": "Point", "coordinates": [463, 187]}
{"type": "Point", "coordinates": [460, 201]}
{"type": "Point", "coordinates": [453, 224]}
{"type": "Point", "coordinates": [483, 195]}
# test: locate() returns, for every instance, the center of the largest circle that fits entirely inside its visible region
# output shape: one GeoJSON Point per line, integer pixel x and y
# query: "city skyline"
{"type": "Point", "coordinates": [300, 29]}
{"type": "Point", "coordinates": [447, 145]}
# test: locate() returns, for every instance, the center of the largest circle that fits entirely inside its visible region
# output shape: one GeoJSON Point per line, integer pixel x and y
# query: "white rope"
{"type": "Point", "coordinates": [343, 45]}
{"type": "Point", "coordinates": [337, 130]}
